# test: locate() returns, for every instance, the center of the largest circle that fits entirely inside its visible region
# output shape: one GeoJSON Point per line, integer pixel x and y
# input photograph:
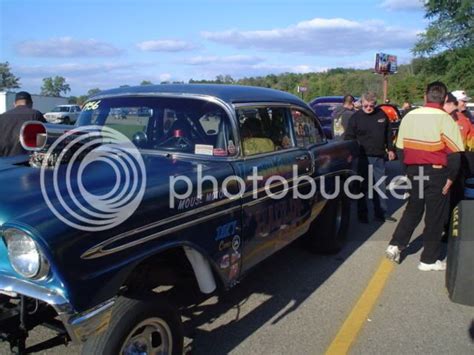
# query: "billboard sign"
{"type": "Point", "coordinates": [385, 63]}
{"type": "Point", "coordinates": [302, 89]}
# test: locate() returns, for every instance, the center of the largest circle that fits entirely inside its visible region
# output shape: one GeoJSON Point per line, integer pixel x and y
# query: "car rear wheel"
{"type": "Point", "coordinates": [146, 324]}
{"type": "Point", "coordinates": [328, 232]}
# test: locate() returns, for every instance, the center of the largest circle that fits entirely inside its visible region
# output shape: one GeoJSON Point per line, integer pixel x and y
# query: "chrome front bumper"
{"type": "Point", "coordinates": [80, 326]}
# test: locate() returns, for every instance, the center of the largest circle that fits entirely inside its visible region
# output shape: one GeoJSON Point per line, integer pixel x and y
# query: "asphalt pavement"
{"type": "Point", "coordinates": [296, 302]}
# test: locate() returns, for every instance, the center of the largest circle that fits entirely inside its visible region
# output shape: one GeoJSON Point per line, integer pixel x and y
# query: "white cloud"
{"type": "Point", "coordinates": [233, 59]}
{"type": "Point", "coordinates": [165, 77]}
{"type": "Point", "coordinates": [165, 45]}
{"type": "Point", "coordinates": [403, 5]}
{"type": "Point", "coordinates": [75, 68]}
{"type": "Point", "coordinates": [67, 47]}
{"type": "Point", "coordinates": [322, 37]}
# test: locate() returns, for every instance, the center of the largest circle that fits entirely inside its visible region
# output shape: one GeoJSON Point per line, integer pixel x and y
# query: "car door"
{"type": "Point", "coordinates": [310, 136]}
{"type": "Point", "coordinates": [271, 216]}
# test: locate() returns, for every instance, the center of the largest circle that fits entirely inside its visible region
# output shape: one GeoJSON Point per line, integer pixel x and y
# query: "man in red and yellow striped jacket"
{"type": "Point", "coordinates": [427, 136]}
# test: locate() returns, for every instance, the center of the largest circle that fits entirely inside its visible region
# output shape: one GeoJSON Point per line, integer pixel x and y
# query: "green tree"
{"type": "Point", "coordinates": [146, 82]}
{"type": "Point", "coordinates": [451, 26]}
{"type": "Point", "coordinates": [82, 99]}
{"type": "Point", "coordinates": [54, 86]}
{"type": "Point", "coordinates": [7, 79]}
{"type": "Point", "coordinates": [72, 100]}
{"type": "Point", "coordinates": [224, 79]}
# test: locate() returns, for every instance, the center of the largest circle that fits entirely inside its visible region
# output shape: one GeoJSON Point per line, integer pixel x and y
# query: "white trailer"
{"type": "Point", "coordinates": [40, 102]}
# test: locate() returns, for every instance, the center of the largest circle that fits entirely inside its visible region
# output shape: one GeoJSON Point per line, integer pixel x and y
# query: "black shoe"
{"type": "Point", "coordinates": [386, 219]}
{"type": "Point", "coordinates": [364, 219]}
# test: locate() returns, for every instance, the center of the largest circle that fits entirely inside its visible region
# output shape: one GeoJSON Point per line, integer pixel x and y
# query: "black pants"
{"type": "Point", "coordinates": [378, 172]}
{"type": "Point", "coordinates": [436, 205]}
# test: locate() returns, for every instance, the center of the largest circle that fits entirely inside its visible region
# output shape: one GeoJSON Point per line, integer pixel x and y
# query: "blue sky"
{"type": "Point", "coordinates": [108, 43]}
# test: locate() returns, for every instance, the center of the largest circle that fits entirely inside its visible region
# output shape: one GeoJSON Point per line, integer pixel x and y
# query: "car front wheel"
{"type": "Point", "coordinates": [146, 324]}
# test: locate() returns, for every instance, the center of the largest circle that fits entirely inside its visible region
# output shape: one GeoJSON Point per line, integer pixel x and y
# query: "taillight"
{"type": "Point", "coordinates": [33, 136]}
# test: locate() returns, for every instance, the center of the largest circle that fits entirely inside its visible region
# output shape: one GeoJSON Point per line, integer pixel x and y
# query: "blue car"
{"type": "Point", "coordinates": [200, 180]}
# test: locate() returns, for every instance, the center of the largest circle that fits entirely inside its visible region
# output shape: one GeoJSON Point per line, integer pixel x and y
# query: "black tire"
{"type": "Point", "coordinates": [67, 120]}
{"type": "Point", "coordinates": [328, 232]}
{"type": "Point", "coordinates": [128, 313]}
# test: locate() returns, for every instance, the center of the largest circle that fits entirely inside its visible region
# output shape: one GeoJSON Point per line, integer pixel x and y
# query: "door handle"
{"type": "Point", "coordinates": [302, 157]}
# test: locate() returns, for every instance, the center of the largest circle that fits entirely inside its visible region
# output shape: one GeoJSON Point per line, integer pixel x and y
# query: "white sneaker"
{"type": "Point", "coordinates": [437, 266]}
{"type": "Point", "coordinates": [393, 253]}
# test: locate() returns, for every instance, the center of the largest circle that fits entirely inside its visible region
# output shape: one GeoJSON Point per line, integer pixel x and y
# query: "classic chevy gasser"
{"type": "Point", "coordinates": [95, 280]}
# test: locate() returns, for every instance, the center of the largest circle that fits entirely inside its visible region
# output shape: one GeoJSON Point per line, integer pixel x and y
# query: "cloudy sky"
{"type": "Point", "coordinates": [108, 43]}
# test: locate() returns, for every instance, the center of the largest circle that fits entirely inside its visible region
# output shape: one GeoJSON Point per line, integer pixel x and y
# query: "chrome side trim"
{"type": "Point", "coordinates": [262, 103]}
{"type": "Point", "coordinates": [99, 250]}
{"type": "Point", "coordinates": [156, 224]}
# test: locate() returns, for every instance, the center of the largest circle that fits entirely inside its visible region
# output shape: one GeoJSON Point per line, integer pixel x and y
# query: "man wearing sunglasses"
{"type": "Point", "coordinates": [370, 127]}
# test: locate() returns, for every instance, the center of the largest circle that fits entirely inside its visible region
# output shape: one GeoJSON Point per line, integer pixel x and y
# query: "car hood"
{"type": "Point", "coordinates": [22, 194]}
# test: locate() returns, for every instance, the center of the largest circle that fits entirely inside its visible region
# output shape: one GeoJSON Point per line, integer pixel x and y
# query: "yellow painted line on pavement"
{"type": "Point", "coordinates": [359, 314]}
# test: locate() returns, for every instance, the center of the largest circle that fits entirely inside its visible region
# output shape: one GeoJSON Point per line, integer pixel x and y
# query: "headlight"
{"type": "Point", "coordinates": [24, 255]}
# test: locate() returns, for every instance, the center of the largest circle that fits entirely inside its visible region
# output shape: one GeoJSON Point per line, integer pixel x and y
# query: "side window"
{"type": "Point", "coordinates": [307, 130]}
{"type": "Point", "coordinates": [264, 129]}
{"type": "Point", "coordinates": [172, 124]}
{"type": "Point", "coordinates": [129, 120]}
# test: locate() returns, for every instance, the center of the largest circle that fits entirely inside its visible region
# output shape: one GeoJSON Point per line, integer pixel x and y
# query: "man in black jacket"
{"type": "Point", "coordinates": [371, 128]}
{"type": "Point", "coordinates": [11, 122]}
{"type": "Point", "coordinates": [341, 116]}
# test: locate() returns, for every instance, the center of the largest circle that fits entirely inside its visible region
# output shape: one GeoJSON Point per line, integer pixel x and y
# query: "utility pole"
{"type": "Point", "coordinates": [385, 87]}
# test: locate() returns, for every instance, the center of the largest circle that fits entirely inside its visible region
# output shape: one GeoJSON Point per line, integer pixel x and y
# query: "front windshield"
{"type": "Point", "coordinates": [171, 124]}
{"type": "Point", "coordinates": [61, 109]}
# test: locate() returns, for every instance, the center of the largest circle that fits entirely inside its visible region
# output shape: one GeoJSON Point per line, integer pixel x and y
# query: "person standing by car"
{"type": "Point", "coordinates": [463, 122]}
{"type": "Point", "coordinates": [371, 128]}
{"type": "Point", "coordinates": [427, 135]}
{"type": "Point", "coordinates": [12, 121]}
{"type": "Point", "coordinates": [463, 99]}
{"type": "Point", "coordinates": [467, 130]}
{"type": "Point", "coordinates": [340, 117]}
{"type": "Point", "coordinates": [406, 107]}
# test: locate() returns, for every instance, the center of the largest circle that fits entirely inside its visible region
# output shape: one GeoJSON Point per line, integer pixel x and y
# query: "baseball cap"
{"type": "Point", "coordinates": [461, 95]}
{"type": "Point", "coordinates": [451, 98]}
{"type": "Point", "coordinates": [23, 95]}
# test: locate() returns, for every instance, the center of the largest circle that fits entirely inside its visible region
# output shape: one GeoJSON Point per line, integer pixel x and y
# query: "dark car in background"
{"type": "Point", "coordinates": [324, 106]}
